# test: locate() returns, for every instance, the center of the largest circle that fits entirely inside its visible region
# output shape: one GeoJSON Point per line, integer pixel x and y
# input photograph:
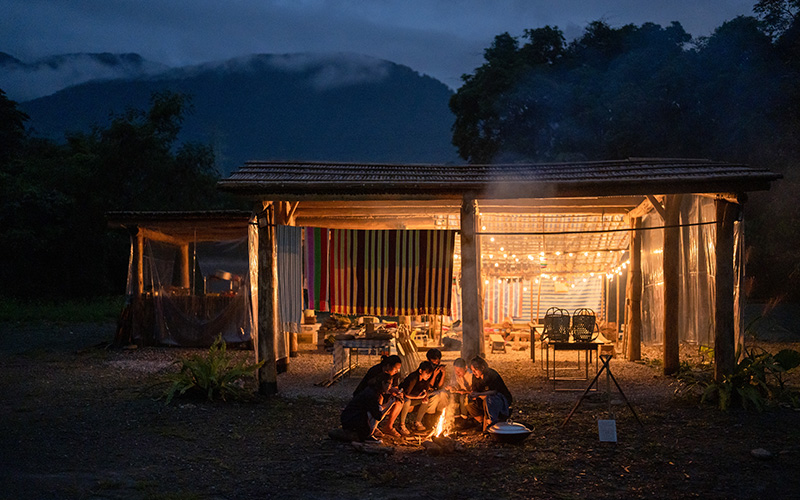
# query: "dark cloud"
{"type": "Point", "coordinates": [441, 38]}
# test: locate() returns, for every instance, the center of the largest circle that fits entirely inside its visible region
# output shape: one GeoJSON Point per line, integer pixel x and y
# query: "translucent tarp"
{"type": "Point", "coordinates": [193, 293]}
{"type": "Point", "coordinates": [697, 274]}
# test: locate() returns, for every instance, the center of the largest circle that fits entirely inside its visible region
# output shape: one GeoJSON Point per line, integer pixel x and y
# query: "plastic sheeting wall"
{"type": "Point", "coordinates": [697, 295]}
{"type": "Point", "coordinates": [215, 303]}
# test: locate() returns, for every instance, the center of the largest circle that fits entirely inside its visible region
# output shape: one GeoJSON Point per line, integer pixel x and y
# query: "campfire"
{"type": "Point", "coordinates": [437, 442]}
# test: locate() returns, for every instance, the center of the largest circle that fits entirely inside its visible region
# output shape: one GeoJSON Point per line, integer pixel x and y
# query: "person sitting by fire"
{"type": "Point", "coordinates": [415, 391]}
{"type": "Point", "coordinates": [391, 366]}
{"type": "Point", "coordinates": [489, 391]}
{"type": "Point", "coordinates": [437, 396]}
{"type": "Point", "coordinates": [460, 388]}
{"type": "Point", "coordinates": [367, 408]}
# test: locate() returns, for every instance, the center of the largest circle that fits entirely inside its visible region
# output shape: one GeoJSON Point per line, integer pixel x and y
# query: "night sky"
{"type": "Point", "coordinates": [444, 39]}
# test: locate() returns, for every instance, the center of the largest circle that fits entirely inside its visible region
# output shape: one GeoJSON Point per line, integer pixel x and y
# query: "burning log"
{"type": "Point", "coordinates": [432, 448]}
{"type": "Point", "coordinates": [446, 444]}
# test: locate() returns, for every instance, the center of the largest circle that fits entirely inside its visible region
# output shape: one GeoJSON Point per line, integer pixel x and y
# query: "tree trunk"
{"type": "Point", "coordinates": [634, 293]}
{"type": "Point", "coordinates": [268, 327]}
{"type": "Point", "coordinates": [672, 284]}
{"type": "Point", "coordinates": [724, 333]}
{"type": "Point", "coordinates": [472, 321]}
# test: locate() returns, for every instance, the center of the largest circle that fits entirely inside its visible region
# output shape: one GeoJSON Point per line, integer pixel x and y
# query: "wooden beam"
{"type": "Point", "coordinates": [471, 284]}
{"type": "Point", "coordinates": [655, 203]}
{"type": "Point", "coordinates": [672, 284]}
{"type": "Point", "coordinates": [267, 320]}
{"type": "Point", "coordinates": [724, 331]}
{"type": "Point", "coordinates": [154, 235]}
{"type": "Point", "coordinates": [633, 336]}
{"type": "Point", "coordinates": [388, 222]}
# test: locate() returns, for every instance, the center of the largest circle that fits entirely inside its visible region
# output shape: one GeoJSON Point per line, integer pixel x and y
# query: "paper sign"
{"type": "Point", "coordinates": [607, 429]}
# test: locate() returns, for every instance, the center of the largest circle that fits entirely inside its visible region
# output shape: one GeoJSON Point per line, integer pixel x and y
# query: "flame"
{"type": "Point", "coordinates": [440, 424]}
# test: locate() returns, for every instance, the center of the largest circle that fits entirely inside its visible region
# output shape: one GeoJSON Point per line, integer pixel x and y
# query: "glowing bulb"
{"type": "Point", "coordinates": [491, 239]}
{"type": "Point", "coordinates": [483, 228]}
{"type": "Point", "coordinates": [585, 254]}
{"type": "Point", "coordinates": [530, 257]}
{"type": "Point", "coordinates": [571, 254]}
{"type": "Point", "coordinates": [496, 264]}
{"type": "Point", "coordinates": [541, 253]}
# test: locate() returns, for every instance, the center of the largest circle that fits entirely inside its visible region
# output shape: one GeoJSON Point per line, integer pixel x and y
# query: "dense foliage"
{"type": "Point", "coordinates": [55, 241]}
{"type": "Point", "coordinates": [653, 91]}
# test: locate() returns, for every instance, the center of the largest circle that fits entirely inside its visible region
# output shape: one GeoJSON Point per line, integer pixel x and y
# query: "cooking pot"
{"type": "Point", "coordinates": [509, 432]}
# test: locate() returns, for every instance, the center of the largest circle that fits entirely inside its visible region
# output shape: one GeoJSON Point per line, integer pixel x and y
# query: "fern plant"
{"type": "Point", "coordinates": [216, 374]}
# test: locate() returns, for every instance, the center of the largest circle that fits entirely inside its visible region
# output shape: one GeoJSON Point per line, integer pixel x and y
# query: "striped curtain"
{"type": "Point", "coordinates": [390, 272]}
{"type": "Point", "coordinates": [502, 298]}
{"type": "Point", "coordinates": [316, 268]}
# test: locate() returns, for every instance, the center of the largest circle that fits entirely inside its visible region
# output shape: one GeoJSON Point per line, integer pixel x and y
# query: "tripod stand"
{"type": "Point", "coordinates": [605, 358]}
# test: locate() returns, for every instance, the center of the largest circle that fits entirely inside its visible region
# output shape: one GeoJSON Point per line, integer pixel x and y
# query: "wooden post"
{"type": "Point", "coordinates": [268, 327]}
{"type": "Point", "coordinates": [185, 281]}
{"type": "Point", "coordinates": [472, 320]}
{"type": "Point", "coordinates": [634, 294]}
{"type": "Point", "coordinates": [138, 259]}
{"type": "Point", "coordinates": [672, 285]}
{"type": "Point", "coordinates": [724, 332]}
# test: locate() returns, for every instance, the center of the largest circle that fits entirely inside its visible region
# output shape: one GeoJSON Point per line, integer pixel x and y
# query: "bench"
{"type": "Point", "coordinates": [497, 342]}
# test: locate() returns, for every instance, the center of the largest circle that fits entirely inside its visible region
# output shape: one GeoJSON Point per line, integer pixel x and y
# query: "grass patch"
{"type": "Point", "coordinates": [95, 310]}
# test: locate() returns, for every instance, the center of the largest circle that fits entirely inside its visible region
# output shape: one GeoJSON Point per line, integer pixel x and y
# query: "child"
{"type": "Point", "coordinates": [437, 397]}
{"type": "Point", "coordinates": [461, 387]}
{"type": "Point", "coordinates": [366, 409]}
{"type": "Point", "coordinates": [488, 385]}
{"type": "Point", "coordinates": [415, 389]}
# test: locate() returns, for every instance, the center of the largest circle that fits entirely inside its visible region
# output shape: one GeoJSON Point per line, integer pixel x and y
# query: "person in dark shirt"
{"type": "Point", "coordinates": [437, 397]}
{"type": "Point", "coordinates": [415, 390]}
{"type": "Point", "coordinates": [367, 408]}
{"type": "Point", "coordinates": [488, 387]}
{"type": "Point", "coordinates": [389, 365]}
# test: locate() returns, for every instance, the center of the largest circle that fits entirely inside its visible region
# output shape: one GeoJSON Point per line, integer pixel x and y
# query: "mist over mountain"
{"type": "Point", "coordinates": [334, 107]}
{"type": "Point", "coordinates": [24, 81]}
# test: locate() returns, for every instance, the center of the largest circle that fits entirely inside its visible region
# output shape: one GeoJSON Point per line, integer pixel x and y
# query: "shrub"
{"type": "Point", "coordinates": [756, 382]}
{"type": "Point", "coordinates": [216, 374]}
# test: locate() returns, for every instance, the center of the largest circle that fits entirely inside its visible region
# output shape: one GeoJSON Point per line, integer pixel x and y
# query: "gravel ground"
{"type": "Point", "coordinates": [84, 421]}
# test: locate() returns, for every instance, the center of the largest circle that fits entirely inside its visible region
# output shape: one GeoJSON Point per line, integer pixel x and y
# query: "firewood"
{"type": "Point", "coordinates": [373, 449]}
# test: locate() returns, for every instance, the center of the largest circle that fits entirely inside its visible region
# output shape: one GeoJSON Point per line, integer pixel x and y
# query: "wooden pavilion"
{"type": "Point", "coordinates": [587, 216]}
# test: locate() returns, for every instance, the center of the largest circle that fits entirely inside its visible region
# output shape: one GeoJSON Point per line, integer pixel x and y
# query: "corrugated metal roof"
{"type": "Point", "coordinates": [288, 180]}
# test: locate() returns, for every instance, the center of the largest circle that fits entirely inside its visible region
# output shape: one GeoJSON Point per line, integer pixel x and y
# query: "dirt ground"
{"type": "Point", "coordinates": [84, 422]}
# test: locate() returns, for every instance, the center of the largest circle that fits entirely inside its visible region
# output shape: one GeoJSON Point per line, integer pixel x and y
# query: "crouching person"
{"type": "Point", "coordinates": [367, 408]}
{"type": "Point", "coordinates": [415, 391]}
{"type": "Point", "coordinates": [490, 397]}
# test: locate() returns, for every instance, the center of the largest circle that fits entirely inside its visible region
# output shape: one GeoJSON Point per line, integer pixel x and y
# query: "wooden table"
{"type": "Point", "coordinates": [588, 349]}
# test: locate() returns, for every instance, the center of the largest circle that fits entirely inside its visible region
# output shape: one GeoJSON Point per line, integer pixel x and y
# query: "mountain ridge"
{"type": "Point", "coordinates": [315, 107]}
